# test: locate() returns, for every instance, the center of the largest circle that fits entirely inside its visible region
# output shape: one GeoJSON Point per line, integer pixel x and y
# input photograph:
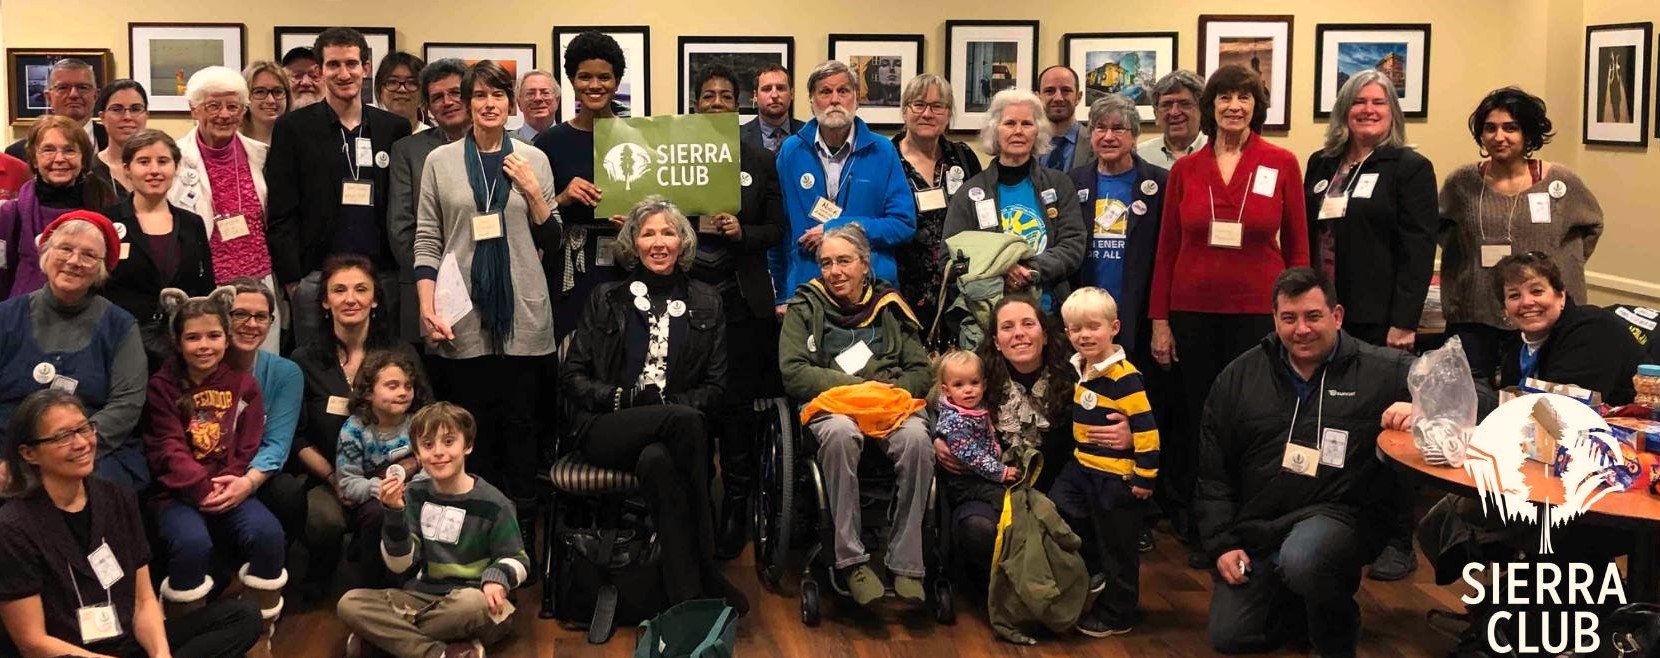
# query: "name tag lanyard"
{"type": "Point", "coordinates": [1319, 410]}
{"type": "Point", "coordinates": [491, 179]}
{"type": "Point", "coordinates": [236, 189]}
{"type": "Point", "coordinates": [109, 599]}
{"type": "Point", "coordinates": [1249, 181]}
{"type": "Point", "coordinates": [1354, 177]}
{"type": "Point", "coordinates": [1481, 215]}
{"type": "Point", "coordinates": [348, 151]}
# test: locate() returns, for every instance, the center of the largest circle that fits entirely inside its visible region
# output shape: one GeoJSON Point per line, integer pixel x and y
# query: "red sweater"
{"type": "Point", "coordinates": [219, 438]}
{"type": "Point", "coordinates": [1274, 235]}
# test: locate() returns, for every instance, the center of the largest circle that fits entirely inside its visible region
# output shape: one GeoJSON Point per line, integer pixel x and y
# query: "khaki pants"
{"type": "Point", "coordinates": [416, 625]}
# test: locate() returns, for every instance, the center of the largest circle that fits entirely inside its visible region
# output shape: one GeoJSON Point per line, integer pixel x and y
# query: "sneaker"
{"type": "Point", "coordinates": [469, 649]}
{"type": "Point", "coordinates": [1095, 625]}
{"type": "Point", "coordinates": [864, 585]}
{"type": "Point", "coordinates": [1144, 543]}
{"type": "Point", "coordinates": [908, 588]}
{"type": "Point", "coordinates": [1393, 564]}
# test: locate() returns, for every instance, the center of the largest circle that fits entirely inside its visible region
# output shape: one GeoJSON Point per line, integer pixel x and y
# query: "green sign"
{"type": "Point", "coordinates": [689, 159]}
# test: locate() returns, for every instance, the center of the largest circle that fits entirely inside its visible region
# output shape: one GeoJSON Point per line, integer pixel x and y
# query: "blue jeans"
{"type": "Point", "coordinates": [124, 466]}
{"type": "Point", "coordinates": [189, 535]}
{"type": "Point", "coordinates": [1309, 582]}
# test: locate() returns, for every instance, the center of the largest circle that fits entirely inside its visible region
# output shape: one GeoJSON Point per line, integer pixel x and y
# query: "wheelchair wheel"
{"type": "Point", "coordinates": [810, 602]}
{"type": "Point", "coordinates": [774, 520]}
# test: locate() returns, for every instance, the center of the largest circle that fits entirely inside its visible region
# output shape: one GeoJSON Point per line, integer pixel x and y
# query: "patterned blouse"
{"type": "Point", "coordinates": [922, 261]}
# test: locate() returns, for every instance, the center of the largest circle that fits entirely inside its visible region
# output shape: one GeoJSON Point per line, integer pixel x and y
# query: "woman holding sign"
{"type": "Point", "coordinates": [1509, 203]}
{"type": "Point", "coordinates": [484, 297]}
{"type": "Point", "coordinates": [1233, 220]}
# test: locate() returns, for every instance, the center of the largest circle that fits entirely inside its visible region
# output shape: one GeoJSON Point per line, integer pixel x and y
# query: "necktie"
{"type": "Point", "coordinates": [1056, 156]}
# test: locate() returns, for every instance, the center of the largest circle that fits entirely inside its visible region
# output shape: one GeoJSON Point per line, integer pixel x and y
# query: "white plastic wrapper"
{"type": "Point", "coordinates": [1443, 404]}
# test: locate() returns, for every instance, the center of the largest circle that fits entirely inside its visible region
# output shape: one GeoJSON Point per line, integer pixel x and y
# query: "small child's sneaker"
{"type": "Point", "coordinates": [1095, 625]}
{"type": "Point", "coordinates": [1144, 543]}
{"type": "Point", "coordinates": [470, 649]}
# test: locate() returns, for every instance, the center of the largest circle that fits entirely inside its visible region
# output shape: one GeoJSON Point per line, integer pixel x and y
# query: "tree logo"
{"type": "Point", "coordinates": [627, 163]}
{"type": "Point", "coordinates": [1533, 426]}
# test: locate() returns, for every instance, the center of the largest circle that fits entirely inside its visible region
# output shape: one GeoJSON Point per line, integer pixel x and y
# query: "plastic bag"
{"type": "Point", "coordinates": [1443, 404]}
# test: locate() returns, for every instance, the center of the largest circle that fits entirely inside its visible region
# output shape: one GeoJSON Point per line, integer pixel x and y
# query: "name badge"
{"type": "Point", "coordinates": [605, 254]}
{"type": "Point", "coordinates": [1048, 195]}
{"type": "Point", "coordinates": [1538, 207]}
{"type": "Point", "coordinates": [853, 359]}
{"type": "Point", "coordinates": [1334, 207]}
{"type": "Point", "coordinates": [442, 523]}
{"type": "Point", "coordinates": [1228, 235]}
{"type": "Point", "coordinates": [357, 193]}
{"type": "Point", "coordinates": [1334, 447]}
{"type": "Point", "coordinates": [2, 253]}
{"type": "Point", "coordinates": [365, 152]}
{"type": "Point", "coordinates": [105, 566]}
{"type": "Point", "coordinates": [487, 227]}
{"type": "Point", "coordinates": [97, 623]}
{"type": "Point", "coordinates": [1364, 185]}
{"type": "Point", "coordinates": [706, 224]}
{"type": "Point", "coordinates": [1302, 460]}
{"type": "Point", "coordinates": [233, 227]}
{"type": "Point", "coordinates": [927, 200]}
{"type": "Point", "coordinates": [1267, 180]}
{"type": "Point", "coordinates": [338, 406]}
{"type": "Point", "coordinates": [1491, 254]}
{"type": "Point", "coordinates": [126, 250]}
{"type": "Point", "coordinates": [985, 214]}
{"type": "Point", "coordinates": [65, 383]}
{"type": "Point", "coordinates": [825, 210]}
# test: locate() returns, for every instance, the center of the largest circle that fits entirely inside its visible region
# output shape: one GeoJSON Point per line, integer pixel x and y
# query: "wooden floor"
{"type": "Point", "coordinates": [1174, 600]}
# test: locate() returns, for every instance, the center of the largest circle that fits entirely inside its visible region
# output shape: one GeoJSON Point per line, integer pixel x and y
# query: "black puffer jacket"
{"type": "Point", "coordinates": [1245, 500]}
{"type": "Point", "coordinates": [1588, 347]}
{"type": "Point", "coordinates": [594, 363]}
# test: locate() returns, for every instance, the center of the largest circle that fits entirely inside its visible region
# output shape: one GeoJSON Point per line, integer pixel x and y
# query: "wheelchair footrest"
{"type": "Point", "coordinates": [605, 615]}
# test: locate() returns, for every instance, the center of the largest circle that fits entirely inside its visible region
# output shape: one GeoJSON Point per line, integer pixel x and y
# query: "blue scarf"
{"type": "Point", "coordinates": [492, 275]}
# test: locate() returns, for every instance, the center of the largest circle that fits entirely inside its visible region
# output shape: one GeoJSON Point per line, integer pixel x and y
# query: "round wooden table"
{"type": "Point", "coordinates": [1633, 509]}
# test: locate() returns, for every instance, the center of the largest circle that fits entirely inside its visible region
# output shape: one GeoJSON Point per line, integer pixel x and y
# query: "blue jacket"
{"type": "Point", "coordinates": [875, 194]}
{"type": "Point", "coordinates": [1136, 330]}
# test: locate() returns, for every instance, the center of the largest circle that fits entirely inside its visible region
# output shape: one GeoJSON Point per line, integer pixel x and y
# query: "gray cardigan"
{"type": "Point", "coordinates": [1063, 220]}
{"type": "Point", "coordinates": [1570, 237]}
{"type": "Point", "coordinates": [444, 225]}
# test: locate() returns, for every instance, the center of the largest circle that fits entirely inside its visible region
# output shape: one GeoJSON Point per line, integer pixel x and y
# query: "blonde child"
{"type": "Point", "coordinates": [963, 424]}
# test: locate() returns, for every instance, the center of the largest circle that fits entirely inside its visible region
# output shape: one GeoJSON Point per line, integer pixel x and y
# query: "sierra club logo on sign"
{"type": "Point", "coordinates": [689, 159]}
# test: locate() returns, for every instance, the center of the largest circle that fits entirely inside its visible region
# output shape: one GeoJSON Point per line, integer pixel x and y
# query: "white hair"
{"type": "Point", "coordinates": [70, 229]}
{"type": "Point", "coordinates": [994, 115]}
{"type": "Point", "coordinates": [215, 80]}
{"type": "Point", "coordinates": [552, 79]}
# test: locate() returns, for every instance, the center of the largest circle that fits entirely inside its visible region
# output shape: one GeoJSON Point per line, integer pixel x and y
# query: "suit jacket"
{"type": "Point", "coordinates": [304, 172]}
{"type": "Point", "coordinates": [136, 283]}
{"type": "Point", "coordinates": [761, 216]}
{"type": "Point", "coordinates": [1140, 244]}
{"type": "Point", "coordinates": [1385, 243]}
{"type": "Point", "coordinates": [750, 133]}
{"type": "Point", "coordinates": [197, 196]}
{"type": "Point", "coordinates": [409, 155]}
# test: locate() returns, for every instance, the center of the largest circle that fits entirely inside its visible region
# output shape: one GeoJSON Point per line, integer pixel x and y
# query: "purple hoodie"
{"type": "Point", "coordinates": [20, 222]}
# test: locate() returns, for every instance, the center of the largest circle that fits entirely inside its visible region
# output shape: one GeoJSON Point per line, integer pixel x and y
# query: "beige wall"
{"type": "Point", "coordinates": [1477, 45]}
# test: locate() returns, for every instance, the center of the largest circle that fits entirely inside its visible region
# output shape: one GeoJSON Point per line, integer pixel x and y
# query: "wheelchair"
{"type": "Point", "coordinates": [792, 509]}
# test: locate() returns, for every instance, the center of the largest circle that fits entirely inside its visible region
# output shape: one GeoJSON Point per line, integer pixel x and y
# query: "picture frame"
{"type": "Point", "coordinates": [744, 55]}
{"type": "Point", "coordinates": [983, 57]}
{"type": "Point", "coordinates": [27, 70]}
{"type": "Point", "coordinates": [1262, 42]}
{"type": "Point", "coordinates": [883, 62]}
{"type": "Point", "coordinates": [1400, 50]}
{"type": "Point", "coordinates": [633, 91]}
{"type": "Point", "coordinates": [162, 56]}
{"type": "Point", "coordinates": [382, 42]}
{"type": "Point", "coordinates": [517, 58]}
{"type": "Point", "coordinates": [1618, 68]}
{"type": "Point", "coordinates": [1102, 62]}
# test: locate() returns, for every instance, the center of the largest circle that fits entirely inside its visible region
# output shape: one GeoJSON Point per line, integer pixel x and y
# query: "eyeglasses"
{"type": "Point", "coordinates": [87, 431]}
{"type": "Point", "coordinates": [537, 93]}
{"type": "Point", "coordinates": [448, 94]}
{"type": "Point", "coordinates": [920, 107]}
{"type": "Point", "coordinates": [1166, 106]}
{"type": "Point", "coordinates": [244, 317]}
{"type": "Point", "coordinates": [311, 74]}
{"type": "Point", "coordinates": [215, 107]}
{"type": "Point", "coordinates": [266, 93]}
{"type": "Point", "coordinates": [1114, 129]}
{"type": "Point", "coordinates": [70, 254]}
{"type": "Point", "coordinates": [839, 261]}
{"type": "Point", "coordinates": [124, 110]}
{"type": "Point", "coordinates": [401, 84]}
{"type": "Point", "coordinates": [80, 89]}
{"type": "Point", "coordinates": [51, 152]}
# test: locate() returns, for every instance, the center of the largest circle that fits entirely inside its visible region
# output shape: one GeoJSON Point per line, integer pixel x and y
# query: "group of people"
{"type": "Point", "coordinates": [247, 338]}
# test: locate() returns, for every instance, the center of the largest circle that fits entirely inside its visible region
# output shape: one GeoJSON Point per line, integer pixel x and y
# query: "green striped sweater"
{"type": "Point", "coordinates": [487, 549]}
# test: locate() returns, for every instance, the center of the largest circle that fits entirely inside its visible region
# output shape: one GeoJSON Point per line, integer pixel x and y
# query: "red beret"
{"type": "Point", "coordinates": [112, 240]}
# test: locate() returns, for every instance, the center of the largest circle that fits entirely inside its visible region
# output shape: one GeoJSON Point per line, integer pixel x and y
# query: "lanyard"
{"type": "Point", "coordinates": [1212, 192]}
{"type": "Point", "coordinates": [490, 182]}
{"type": "Point", "coordinates": [1319, 410]}
{"type": "Point", "coordinates": [1481, 219]}
{"type": "Point", "coordinates": [1353, 176]}
{"type": "Point", "coordinates": [348, 148]}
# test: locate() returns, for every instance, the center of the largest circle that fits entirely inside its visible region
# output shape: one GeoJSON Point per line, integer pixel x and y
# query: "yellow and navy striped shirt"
{"type": "Point", "coordinates": [1111, 386]}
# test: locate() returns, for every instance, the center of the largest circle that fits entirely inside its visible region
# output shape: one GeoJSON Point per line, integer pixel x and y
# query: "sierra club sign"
{"type": "Point", "coordinates": [689, 159]}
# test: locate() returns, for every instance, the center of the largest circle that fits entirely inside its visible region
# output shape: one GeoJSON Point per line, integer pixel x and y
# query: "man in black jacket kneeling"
{"type": "Point", "coordinates": [1292, 501]}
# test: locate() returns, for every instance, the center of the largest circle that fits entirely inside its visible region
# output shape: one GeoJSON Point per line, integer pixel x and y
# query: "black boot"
{"type": "Point", "coordinates": [734, 526]}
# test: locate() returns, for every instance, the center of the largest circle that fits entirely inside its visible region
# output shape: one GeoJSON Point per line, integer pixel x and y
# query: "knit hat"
{"type": "Point", "coordinates": [112, 239]}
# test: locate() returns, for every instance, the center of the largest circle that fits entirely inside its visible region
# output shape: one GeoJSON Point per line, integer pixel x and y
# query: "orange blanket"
{"type": "Point", "coordinates": [876, 407]}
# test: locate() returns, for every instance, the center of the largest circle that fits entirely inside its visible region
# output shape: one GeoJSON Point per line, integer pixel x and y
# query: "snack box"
{"type": "Point", "coordinates": [1638, 433]}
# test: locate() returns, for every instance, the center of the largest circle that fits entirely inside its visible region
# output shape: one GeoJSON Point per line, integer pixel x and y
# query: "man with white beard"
{"type": "Point", "coordinates": [837, 171]}
{"type": "Point", "coordinates": [303, 77]}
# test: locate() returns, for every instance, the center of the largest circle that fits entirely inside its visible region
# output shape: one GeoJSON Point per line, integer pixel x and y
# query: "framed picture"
{"type": "Point", "coordinates": [163, 56]}
{"type": "Point", "coordinates": [28, 68]}
{"type": "Point", "coordinates": [517, 58]}
{"type": "Point", "coordinates": [1400, 51]}
{"type": "Point", "coordinates": [983, 58]}
{"type": "Point", "coordinates": [382, 41]}
{"type": "Point", "coordinates": [744, 55]}
{"type": "Point", "coordinates": [883, 63]}
{"type": "Point", "coordinates": [633, 96]}
{"type": "Point", "coordinates": [1617, 61]}
{"type": "Point", "coordinates": [1125, 63]}
{"type": "Point", "coordinates": [1259, 43]}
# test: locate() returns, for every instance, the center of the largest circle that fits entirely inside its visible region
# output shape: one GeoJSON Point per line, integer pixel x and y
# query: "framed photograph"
{"type": "Point", "coordinates": [515, 57]}
{"type": "Point", "coordinates": [382, 41]}
{"type": "Point", "coordinates": [1259, 43]}
{"type": "Point", "coordinates": [27, 69]}
{"type": "Point", "coordinates": [983, 58]}
{"type": "Point", "coordinates": [1125, 63]}
{"type": "Point", "coordinates": [163, 56]}
{"type": "Point", "coordinates": [744, 55]}
{"type": "Point", "coordinates": [1400, 51]}
{"type": "Point", "coordinates": [883, 62]}
{"type": "Point", "coordinates": [633, 91]}
{"type": "Point", "coordinates": [1617, 61]}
